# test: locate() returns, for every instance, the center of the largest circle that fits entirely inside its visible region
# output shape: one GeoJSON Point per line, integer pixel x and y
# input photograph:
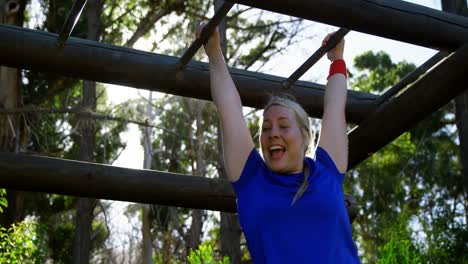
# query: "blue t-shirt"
{"type": "Point", "coordinates": [315, 229]}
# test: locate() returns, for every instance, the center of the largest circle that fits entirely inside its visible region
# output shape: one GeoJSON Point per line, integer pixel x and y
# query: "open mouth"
{"type": "Point", "coordinates": [276, 152]}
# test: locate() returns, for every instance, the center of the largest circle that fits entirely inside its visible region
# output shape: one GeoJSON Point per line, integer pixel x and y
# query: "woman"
{"type": "Point", "coordinates": [291, 207]}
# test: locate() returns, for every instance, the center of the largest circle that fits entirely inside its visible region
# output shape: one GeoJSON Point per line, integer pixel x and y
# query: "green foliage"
{"type": "Point", "coordinates": [410, 191]}
{"type": "Point", "coordinates": [398, 251]}
{"type": "Point", "coordinates": [3, 200]}
{"type": "Point", "coordinates": [60, 240]}
{"type": "Point", "coordinates": [398, 247]}
{"type": "Point", "coordinates": [205, 255]}
{"type": "Point", "coordinates": [378, 72]}
{"type": "Point", "coordinates": [22, 243]}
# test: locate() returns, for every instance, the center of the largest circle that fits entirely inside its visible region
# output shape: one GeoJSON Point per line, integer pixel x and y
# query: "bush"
{"type": "Point", "coordinates": [21, 243]}
{"type": "Point", "coordinates": [205, 255]}
{"type": "Point", "coordinates": [397, 251]}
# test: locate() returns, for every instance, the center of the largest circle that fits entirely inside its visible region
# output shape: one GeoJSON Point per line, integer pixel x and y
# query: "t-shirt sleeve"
{"type": "Point", "coordinates": [252, 165]}
{"type": "Point", "coordinates": [322, 156]}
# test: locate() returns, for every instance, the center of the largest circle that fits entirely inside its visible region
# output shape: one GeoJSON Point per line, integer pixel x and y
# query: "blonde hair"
{"type": "Point", "coordinates": [300, 114]}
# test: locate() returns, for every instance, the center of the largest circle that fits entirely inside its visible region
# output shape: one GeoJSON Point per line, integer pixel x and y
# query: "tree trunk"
{"type": "Point", "coordinates": [230, 233]}
{"type": "Point", "coordinates": [195, 232]}
{"type": "Point", "coordinates": [166, 246]}
{"type": "Point", "coordinates": [85, 206]}
{"type": "Point", "coordinates": [461, 102]}
{"type": "Point", "coordinates": [147, 246]}
{"type": "Point", "coordinates": [147, 251]}
{"type": "Point", "coordinates": [230, 230]}
{"type": "Point", "coordinates": [12, 13]}
{"type": "Point", "coordinates": [9, 92]}
{"type": "Point", "coordinates": [196, 227]}
{"type": "Point", "coordinates": [82, 242]}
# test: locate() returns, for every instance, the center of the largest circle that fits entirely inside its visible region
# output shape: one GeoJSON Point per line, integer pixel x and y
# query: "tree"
{"type": "Point", "coordinates": [461, 102]}
{"type": "Point", "coordinates": [51, 132]}
{"type": "Point", "coordinates": [11, 12]}
{"type": "Point", "coordinates": [416, 176]}
{"type": "Point", "coordinates": [147, 251]}
{"type": "Point", "coordinates": [85, 206]}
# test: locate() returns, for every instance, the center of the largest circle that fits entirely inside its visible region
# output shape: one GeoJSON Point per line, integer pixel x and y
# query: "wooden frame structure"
{"type": "Point", "coordinates": [380, 120]}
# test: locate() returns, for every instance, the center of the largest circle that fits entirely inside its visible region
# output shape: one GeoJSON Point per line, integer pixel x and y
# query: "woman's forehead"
{"type": "Point", "coordinates": [277, 112]}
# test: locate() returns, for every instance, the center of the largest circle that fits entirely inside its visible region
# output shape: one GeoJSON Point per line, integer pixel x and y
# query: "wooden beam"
{"type": "Point", "coordinates": [207, 31]}
{"type": "Point", "coordinates": [312, 60]}
{"type": "Point", "coordinates": [411, 77]}
{"type": "Point", "coordinates": [391, 19]}
{"type": "Point", "coordinates": [84, 59]}
{"type": "Point", "coordinates": [431, 92]}
{"type": "Point", "coordinates": [70, 21]}
{"type": "Point", "coordinates": [84, 179]}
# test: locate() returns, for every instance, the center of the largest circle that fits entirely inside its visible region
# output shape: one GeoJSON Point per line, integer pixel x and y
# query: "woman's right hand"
{"type": "Point", "coordinates": [212, 46]}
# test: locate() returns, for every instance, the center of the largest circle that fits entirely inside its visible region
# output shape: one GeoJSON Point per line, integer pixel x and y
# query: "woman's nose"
{"type": "Point", "coordinates": [274, 132]}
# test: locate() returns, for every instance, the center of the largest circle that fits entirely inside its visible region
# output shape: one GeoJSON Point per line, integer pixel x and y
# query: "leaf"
{"type": "Point", "coordinates": [3, 202]}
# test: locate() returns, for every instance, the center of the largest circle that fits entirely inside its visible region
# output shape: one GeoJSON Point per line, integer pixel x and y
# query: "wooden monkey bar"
{"type": "Point", "coordinates": [70, 21]}
{"type": "Point", "coordinates": [411, 77]}
{"type": "Point", "coordinates": [390, 120]}
{"type": "Point", "coordinates": [398, 20]}
{"type": "Point", "coordinates": [205, 34]}
{"type": "Point", "coordinates": [334, 39]}
{"type": "Point", "coordinates": [90, 60]}
{"type": "Point", "coordinates": [84, 179]}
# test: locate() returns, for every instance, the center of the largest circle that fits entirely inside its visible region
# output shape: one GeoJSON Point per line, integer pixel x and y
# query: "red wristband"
{"type": "Point", "coordinates": [338, 66]}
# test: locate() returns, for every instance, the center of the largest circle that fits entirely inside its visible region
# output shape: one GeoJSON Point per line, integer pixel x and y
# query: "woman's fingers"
{"type": "Point", "coordinates": [200, 30]}
{"type": "Point", "coordinates": [327, 38]}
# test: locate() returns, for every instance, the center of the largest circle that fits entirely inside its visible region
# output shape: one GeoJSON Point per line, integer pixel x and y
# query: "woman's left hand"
{"type": "Point", "coordinates": [335, 53]}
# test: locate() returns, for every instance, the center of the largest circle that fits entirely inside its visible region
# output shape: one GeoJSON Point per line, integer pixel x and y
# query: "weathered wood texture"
{"type": "Point", "coordinates": [83, 179]}
{"type": "Point", "coordinates": [431, 92]}
{"type": "Point", "coordinates": [70, 21]}
{"type": "Point", "coordinates": [208, 29]}
{"type": "Point", "coordinates": [392, 19]}
{"type": "Point", "coordinates": [312, 60]}
{"type": "Point", "coordinates": [412, 76]}
{"type": "Point", "coordinates": [36, 50]}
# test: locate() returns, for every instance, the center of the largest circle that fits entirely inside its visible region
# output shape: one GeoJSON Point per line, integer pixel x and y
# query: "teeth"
{"type": "Point", "coordinates": [276, 148]}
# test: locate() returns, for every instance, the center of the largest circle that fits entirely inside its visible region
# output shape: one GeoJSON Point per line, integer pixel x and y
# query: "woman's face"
{"type": "Point", "coordinates": [282, 141]}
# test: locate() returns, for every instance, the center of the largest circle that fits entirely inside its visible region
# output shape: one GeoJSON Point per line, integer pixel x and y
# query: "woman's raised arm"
{"type": "Point", "coordinates": [237, 142]}
{"type": "Point", "coordinates": [333, 136]}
